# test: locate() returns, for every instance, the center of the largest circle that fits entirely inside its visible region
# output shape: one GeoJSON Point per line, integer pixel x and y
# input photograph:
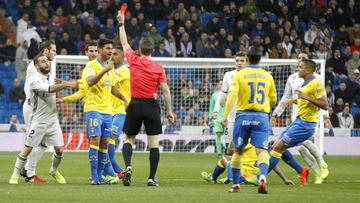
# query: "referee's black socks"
{"type": "Point", "coordinates": [127, 154]}
{"type": "Point", "coordinates": [154, 158]}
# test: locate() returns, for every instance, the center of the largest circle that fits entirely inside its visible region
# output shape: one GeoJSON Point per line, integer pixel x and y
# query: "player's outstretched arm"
{"type": "Point", "coordinates": [281, 174]}
{"type": "Point", "coordinates": [74, 97]}
{"type": "Point", "coordinates": [122, 32]}
{"type": "Point", "coordinates": [119, 95]}
{"type": "Point", "coordinates": [62, 84]}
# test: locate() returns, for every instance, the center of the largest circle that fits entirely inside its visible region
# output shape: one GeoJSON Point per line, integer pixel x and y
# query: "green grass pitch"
{"type": "Point", "coordinates": [179, 177]}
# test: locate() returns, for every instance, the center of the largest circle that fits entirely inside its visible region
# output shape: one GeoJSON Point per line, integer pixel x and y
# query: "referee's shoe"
{"type": "Point", "coordinates": [127, 176]}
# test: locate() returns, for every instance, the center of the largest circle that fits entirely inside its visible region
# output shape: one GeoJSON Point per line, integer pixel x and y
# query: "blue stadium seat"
{"type": "Point", "coordinates": [354, 110]}
{"type": "Point", "coordinates": [205, 18]}
{"type": "Point", "coordinates": [161, 25]}
{"type": "Point", "coordinates": [2, 66]}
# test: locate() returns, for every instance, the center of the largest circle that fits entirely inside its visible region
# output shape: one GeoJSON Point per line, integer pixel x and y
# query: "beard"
{"type": "Point", "coordinates": [44, 70]}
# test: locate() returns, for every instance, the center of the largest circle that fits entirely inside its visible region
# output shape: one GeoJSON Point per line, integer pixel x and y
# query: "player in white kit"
{"type": "Point", "coordinates": [240, 61]}
{"type": "Point", "coordinates": [48, 49]}
{"type": "Point", "coordinates": [44, 123]}
{"type": "Point", "coordinates": [307, 149]}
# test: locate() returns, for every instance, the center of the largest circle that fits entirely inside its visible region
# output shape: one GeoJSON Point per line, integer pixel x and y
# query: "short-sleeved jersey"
{"type": "Point", "coordinates": [293, 84]}
{"type": "Point", "coordinates": [98, 97]}
{"type": "Point", "coordinates": [313, 88]}
{"type": "Point", "coordinates": [145, 75]}
{"type": "Point", "coordinates": [122, 78]}
{"type": "Point", "coordinates": [43, 102]}
{"type": "Point", "coordinates": [255, 88]}
{"type": "Point", "coordinates": [227, 81]}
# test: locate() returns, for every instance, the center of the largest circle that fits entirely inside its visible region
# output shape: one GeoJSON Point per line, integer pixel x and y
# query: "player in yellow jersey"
{"type": "Point", "coordinates": [122, 76]}
{"type": "Point", "coordinates": [98, 108]}
{"type": "Point", "coordinates": [311, 97]}
{"type": "Point", "coordinates": [254, 89]}
{"type": "Point", "coordinates": [91, 52]}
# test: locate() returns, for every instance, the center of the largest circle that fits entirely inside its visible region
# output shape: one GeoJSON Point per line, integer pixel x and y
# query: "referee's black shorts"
{"type": "Point", "coordinates": [143, 110]}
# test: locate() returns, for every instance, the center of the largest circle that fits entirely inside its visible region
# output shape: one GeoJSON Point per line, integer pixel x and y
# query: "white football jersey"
{"type": "Point", "coordinates": [227, 81]}
{"type": "Point", "coordinates": [43, 102]}
{"type": "Point", "coordinates": [30, 71]}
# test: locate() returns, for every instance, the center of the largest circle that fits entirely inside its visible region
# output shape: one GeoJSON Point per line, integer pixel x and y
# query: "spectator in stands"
{"type": "Point", "coordinates": [155, 36]}
{"type": "Point", "coordinates": [203, 46]}
{"type": "Point", "coordinates": [339, 105]}
{"type": "Point", "coordinates": [55, 26]}
{"type": "Point", "coordinates": [8, 52]}
{"type": "Point", "coordinates": [322, 52]}
{"type": "Point", "coordinates": [228, 53]}
{"type": "Point", "coordinates": [17, 93]}
{"type": "Point", "coordinates": [43, 31]}
{"type": "Point", "coordinates": [21, 60]}
{"type": "Point", "coordinates": [67, 44]}
{"type": "Point", "coordinates": [133, 28]}
{"type": "Point", "coordinates": [333, 118]}
{"type": "Point", "coordinates": [287, 45]}
{"type": "Point", "coordinates": [30, 33]}
{"type": "Point", "coordinates": [214, 25]}
{"type": "Point", "coordinates": [342, 93]}
{"type": "Point", "coordinates": [353, 89]}
{"type": "Point", "coordinates": [346, 55]}
{"type": "Point", "coordinates": [278, 52]}
{"type": "Point", "coordinates": [227, 16]}
{"type": "Point", "coordinates": [13, 122]}
{"type": "Point", "coordinates": [109, 29]}
{"type": "Point", "coordinates": [161, 51]}
{"type": "Point", "coordinates": [354, 63]}
{"type": "Point", "coordinates": [356, 120]}
{"type": "Point", "coordinates": [356, 45]}
{"type": "Point", "coordinates": [330, 95]}
{"type": "Point", "coordinates": [21, 27]}
{"type": "Point", "coordinates": [337, 63]}
{"type": "Point", "coordinates": [91, 28]}
{"type": "Point", "coordinates": [73, 28]}
{"type": "Point", "coordinates": [342, 38]}
{"type": "Point", "coordinates": [153, 9]}
{"type": "Point", "coordinates": [312, 33]}
{"type": "Point", "coordinates": [170, 45]}
{"type": "Point", "coordinates": [103, 13]}
{"type": "Point", "coordinates": [183, 14]}
{"type": "Point", "coordinates": [41, 13]}
{"type": "Point", "coordinates": [346, 120]}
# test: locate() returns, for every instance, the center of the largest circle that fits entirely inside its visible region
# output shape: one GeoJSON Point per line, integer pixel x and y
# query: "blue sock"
{"type": "Point", "coordinates": [217, 172]}
{"type": "Point", "coordinates": [272, 163]}
{"type": "Point", "coordinates": [115, 165]}
{"type": "Point", "coordinates": [102, 162]}
{"type": "Point", "coordinates": [242, 180]}
{"type": "Point", "coordinates": [93, 158]}
{"type": "Point", "coordinates": [236, 176]}
{"type": "Point", "coordinates": [229, 171]}
{"type": "Point", "coordinates": [263, 169]}
{"type": "Point", "coordinates": [291, 161]}
{"type": "Point", "coordinates": [109, 171]}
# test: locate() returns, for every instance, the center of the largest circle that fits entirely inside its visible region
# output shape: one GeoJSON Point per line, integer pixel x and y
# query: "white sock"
{"type": "Point", "coordinates": [309, 159]}
{"type": "Point", "coordinates": [262, 177]}
{"type": "Point", "coordinates": [33, 160]}
{"type": "Point", "coordinates": [19, 165]}
{"type": "Point", "coordinates": [313, 150]}
{"type": "Point", "coordinates": [55, 161]}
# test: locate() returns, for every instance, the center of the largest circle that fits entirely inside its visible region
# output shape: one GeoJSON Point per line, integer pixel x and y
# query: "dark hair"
{"type": "Point", "coordinates": [118, 47]}
{"type": "Point", "coordinates": [146, 46]}
{"type": "Point", "coordinates": [310, 64]}
{"type": "Point", "coordinates": [36, 58]}
{"type": "Point", "coordinates": [45, 45]}
{"type": "Point", "coordinates": [90, 43]}
{"type": "Point", "coordinates": [240, 54]}
{"type": "Point", "coordinates": [103, 42]}
{"type": "Point", "coordinates": [254, 55]}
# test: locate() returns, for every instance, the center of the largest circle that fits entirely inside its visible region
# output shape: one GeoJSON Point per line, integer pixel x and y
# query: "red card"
{"type": "Point", "coordinates": [123, 8]}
